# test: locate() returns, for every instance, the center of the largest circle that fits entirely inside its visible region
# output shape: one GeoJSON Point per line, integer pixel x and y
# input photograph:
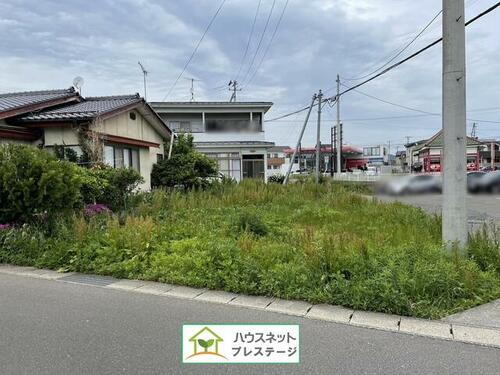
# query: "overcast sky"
{"type": "Point", "coordinates": [44, 44]}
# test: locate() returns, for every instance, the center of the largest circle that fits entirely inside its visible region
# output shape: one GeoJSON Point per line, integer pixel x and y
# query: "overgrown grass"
{"type": "Point", "coordinates": [319, 243]}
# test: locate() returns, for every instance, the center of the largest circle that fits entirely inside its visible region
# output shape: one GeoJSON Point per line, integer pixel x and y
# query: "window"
{"type": "Point", "coordinates": [229, 164]}
{"type": "Point", "coordinates": [371, 151]}
{"type": "Point", "coordinates": [132, 116]}
{"type": "Point", "coordinates": [121, 157]}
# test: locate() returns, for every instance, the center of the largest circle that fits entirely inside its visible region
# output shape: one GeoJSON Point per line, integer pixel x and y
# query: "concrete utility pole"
{"type": "Point", "coordinates": [233, 86]}
{"type": "Point", "coordinates": [333, 140]}
{"type": "Point", "coordinates": [338, 146]}
{"type": "Point", "coordinates": [493, 155]}
{"type": "Point", "coordinates": [285, 181]}
{"type": "Point", "coordinates": [454, 126]}
{"type": "Point", "coordinates": [144, 73]}
{"type": "Point", "coordinates": [318, 137]}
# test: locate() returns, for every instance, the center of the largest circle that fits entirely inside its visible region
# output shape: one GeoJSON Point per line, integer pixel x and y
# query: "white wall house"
{"type": "Point", "coordinates": [230, 132]}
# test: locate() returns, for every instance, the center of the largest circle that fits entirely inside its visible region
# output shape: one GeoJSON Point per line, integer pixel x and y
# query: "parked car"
{"type": "Point", "coordinates": [435, 168]}
{"type": "Point", "coordinates": [414, 184]}
{"type": "Point", "coordinates": [490, 183]}
{"type": "Point", "coordinates": [471, 166]}
{"type": "Point", "coordinates": [474, 180]}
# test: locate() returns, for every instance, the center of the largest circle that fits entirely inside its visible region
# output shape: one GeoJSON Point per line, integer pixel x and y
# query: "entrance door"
{"type": "Point", "coordinates": [253, 166]}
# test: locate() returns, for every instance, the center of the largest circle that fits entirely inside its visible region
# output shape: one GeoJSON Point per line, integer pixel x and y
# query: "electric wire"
{"type": "Point", "coordinates": [260, 41]}
{"type": "Point", "coordinates": [195, 49]}
{"type": "Point", "coordinates": [249, 40]}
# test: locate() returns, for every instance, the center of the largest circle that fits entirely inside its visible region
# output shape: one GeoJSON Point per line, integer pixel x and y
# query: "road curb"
{"type": "Point", "coordinates": [437, 329]}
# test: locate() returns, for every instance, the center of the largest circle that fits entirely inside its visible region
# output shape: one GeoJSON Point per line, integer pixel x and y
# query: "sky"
{"type": "Point", "coordinates": [44, 44]}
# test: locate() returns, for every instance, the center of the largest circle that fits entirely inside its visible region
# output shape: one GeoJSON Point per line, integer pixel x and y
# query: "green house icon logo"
{"type": "Point", "coordinates": [206, 342]}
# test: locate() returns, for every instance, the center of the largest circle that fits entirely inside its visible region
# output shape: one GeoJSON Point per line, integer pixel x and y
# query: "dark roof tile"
{"type": "Point", "coordinates": [14, 100]}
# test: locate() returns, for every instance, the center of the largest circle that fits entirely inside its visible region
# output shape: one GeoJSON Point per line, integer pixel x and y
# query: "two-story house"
{"type": "Point", "coordinates": [230, 132]}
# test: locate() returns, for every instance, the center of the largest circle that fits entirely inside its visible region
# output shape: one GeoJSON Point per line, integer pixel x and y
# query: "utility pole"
{"type": "Point", "coordinates": [144, 74]}
{"type": "Point", "coordinates": [454, 126]}
{"type": "Point", "coordinates": [318, 136]}
{"type": "Point", "coordinates": [287, 176]}
{"type": "Point", "coordinates": [339, 144]}
{"type": "Point", "coordinates": [333, 140]}
{"type": "Point", "coordinates": [493, 155]}
{"type": "Point", "coordinates": [192, 87]}
{"type": "Point", "coordinates": [233, 86]}
{"type": "Point", "coordinates": [473, 131]}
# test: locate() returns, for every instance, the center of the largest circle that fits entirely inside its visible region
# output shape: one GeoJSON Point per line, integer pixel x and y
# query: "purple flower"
{"type": "Point", "coordinates": [95, 209]}
{"type": "Point", "coordinates": [5, 226]}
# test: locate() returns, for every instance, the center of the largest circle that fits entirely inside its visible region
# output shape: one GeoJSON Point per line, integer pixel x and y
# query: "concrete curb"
{"type": "Point", "coordinates": [440, 329]}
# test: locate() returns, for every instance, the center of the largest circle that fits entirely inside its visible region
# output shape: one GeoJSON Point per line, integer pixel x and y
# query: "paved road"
{"type": "Point", "coordinates": [480, 207]}
{"type": "Point", "coordinates": [49, 327]}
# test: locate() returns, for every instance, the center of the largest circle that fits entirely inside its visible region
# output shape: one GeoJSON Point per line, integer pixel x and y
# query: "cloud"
{"type": "Point", "coordinates": [46, 44]}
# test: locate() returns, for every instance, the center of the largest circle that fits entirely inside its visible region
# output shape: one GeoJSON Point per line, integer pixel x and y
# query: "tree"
{"type": "Point", "coordinates": [186, 168]}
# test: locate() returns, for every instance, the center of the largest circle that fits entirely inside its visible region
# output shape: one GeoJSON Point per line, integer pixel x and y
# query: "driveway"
{"type": "Point", "coordinates": [49, 327]}
{"type": "Point", "coordinates": [479, 207]}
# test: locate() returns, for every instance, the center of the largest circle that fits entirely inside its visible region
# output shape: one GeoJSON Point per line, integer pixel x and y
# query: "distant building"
{"type": "Point", "coordinates": [276, 158]}
{"type": "Point", "coordinates": [232, 133]}
{"type": "Point", "coordinates": [427, 155]}
{"type": "Point", "coordinates": [376, 155]}
{"type": "Point", "coordinates": [305, 160]}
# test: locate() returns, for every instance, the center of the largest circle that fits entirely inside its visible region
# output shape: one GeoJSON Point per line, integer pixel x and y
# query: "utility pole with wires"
{"type": "Point", "coordinates": [233, 86]}
{"type": "Point", "coordinates": [454, 231]}
{"type": "Point", "coordinates": [474, 130]}
{"type": "Point", "coordinates": [318, 137]}
{"type": "Point", "coordinates": [192, 87]}
{"type": "Point", "coordinates": [144, 73]}
{"type": "Point", "coordinates": [299, 142]}
{"type": "Point", "coordinates": [338, 145]}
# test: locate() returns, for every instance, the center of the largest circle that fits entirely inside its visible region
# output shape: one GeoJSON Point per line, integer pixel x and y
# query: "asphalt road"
{"type": "Point", "coordinates": [49, 327]}
{"type": "Point", "coordinates": [479, 207]}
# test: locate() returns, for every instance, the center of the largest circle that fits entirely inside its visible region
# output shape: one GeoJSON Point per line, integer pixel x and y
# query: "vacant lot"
{"type": "Point", "coordinates": [323, 244]}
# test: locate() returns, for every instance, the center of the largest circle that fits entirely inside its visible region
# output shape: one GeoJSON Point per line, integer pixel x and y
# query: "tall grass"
{"type": "Point", "coordinates": [319, 243]}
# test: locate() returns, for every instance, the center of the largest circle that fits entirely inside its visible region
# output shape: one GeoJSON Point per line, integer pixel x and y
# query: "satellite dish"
{"type": "Point", "coordinates": [78, 83]}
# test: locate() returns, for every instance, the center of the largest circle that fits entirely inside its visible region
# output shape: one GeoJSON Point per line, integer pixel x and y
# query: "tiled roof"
{"type": "Point", "coordinates": [14, 100]}
{"type": "Point", "coordinates": [225, 143]}
{"type": "Point", "coordinates": [88, 108]}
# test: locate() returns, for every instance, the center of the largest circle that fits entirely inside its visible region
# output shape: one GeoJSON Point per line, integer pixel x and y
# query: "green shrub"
{"type": "Point", "coordinates": [186, 168]}
{"type": "Point", "coordinates": [249, 222]}
{"type": "Point", "coordinates": [109, 186]}
{"type": "Point", "coordinates": [33, 182]}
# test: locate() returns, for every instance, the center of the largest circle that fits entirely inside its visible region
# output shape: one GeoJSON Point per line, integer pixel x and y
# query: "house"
{"type": "Point", "coordinates": [427, 155]}
{"type": "Point", "coordinates": [124, 130]}
{"type": "Point", "coordinates": [276, 157]}
{"type": "Point", "coordinates": [232, 133]}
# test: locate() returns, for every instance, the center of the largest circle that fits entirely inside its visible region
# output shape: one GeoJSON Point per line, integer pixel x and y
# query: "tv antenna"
{"type": "Point", "coordinates": [144, 73]}
{"type": "Point", "coordinates": [233, 86]}
{"type": "Point", "coordinates": [192, 87]}
{"type": "Point", "coordinates": [78, 83]}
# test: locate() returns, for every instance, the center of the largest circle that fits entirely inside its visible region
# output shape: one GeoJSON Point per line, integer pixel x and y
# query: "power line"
{"type": "Point", "coordinates": [196, 48]}
{"type": "Point", "coordinates": [411, 108]}
{"type": "Point", "coordinates": [270, 43]}
{"type": "Point", "coordinates": [249, 40]}
{"type": "Point", "coordinates": [400, 52]}
{"type": "Point", "coordinates": [480, 15]}
{"type": "Point", "coordinates": [260, 41]}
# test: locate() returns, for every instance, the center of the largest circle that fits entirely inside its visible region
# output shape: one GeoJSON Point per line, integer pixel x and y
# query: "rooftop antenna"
{"type": "Point", "coordinates": [78, 83]}
{"type": "Point", "coordinates": [192, 87]}
{"type": "Point", "coordinates": [144, 73]}
{"type": "Point", "coordinates": [233, 86]}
